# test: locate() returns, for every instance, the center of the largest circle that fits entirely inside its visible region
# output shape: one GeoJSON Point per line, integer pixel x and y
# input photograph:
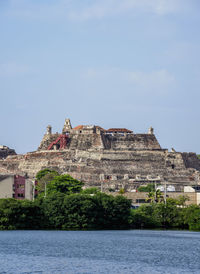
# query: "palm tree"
{"type": "Point", "coordinates": [155, 196]}
{"type": "Point", "coordinates": [158, 196]}
{"type": "Point", "coordinates": [151, 196]}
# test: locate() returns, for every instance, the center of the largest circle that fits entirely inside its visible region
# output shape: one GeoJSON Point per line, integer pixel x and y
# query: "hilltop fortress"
{"type": "Point", "coordinates": [112, 159]}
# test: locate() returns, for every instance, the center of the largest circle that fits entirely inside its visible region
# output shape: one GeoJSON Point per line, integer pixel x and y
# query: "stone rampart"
{"type": "Point", "coordinates": [114, 158]}
{"type": "Point", "coordinates": [6, 151]}
{"type": "Point", "coordinates": [132, 142]}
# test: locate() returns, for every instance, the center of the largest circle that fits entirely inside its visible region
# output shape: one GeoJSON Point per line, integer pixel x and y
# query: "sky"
{"type": "Point", "coordinates": [112, 63]}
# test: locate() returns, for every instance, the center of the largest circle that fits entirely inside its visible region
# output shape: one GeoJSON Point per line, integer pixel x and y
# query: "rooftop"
{"type": "Point", "coordinates": [119, 130]}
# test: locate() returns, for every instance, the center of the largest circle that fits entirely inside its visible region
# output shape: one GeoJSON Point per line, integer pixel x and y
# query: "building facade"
{"type": "Point", "coordinates": [16, 186]}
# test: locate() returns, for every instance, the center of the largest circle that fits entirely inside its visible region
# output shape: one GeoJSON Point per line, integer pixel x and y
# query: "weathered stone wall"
{"type": "Point", "coordinates": [84, 141]}
{"type": "Point", "coordinates": [92, 138]}
{"type": "Point", "coordinates": [132, 142]}
{"type": "Point", "coordinates": [108, 159]}
{"type": "Point", "coordinates": [191, 160]}
{"type": "Point", "coordinates": [5, 151]}
{"type": "Point", "coordinates": [47, 140]}
{"type": "Point", "coordinates": [127, 169]}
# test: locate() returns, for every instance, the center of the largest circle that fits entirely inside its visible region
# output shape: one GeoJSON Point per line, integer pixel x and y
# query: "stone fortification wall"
{"type": "Point", "coordinates": [114, 158]}
{"type": "Point", "coordinates": [84, 137]}
{"type": "Point", "coordinates": [107, 168]}
{"type": "Point", "coordinates": [76, 139]}
{"type": "Point", "coordinates": [191, 160]}
{"type": "Point", "coordinates": [47, 140]}
{"type": "Point", "coordinates": [131, 142]}
{"type": "Point", "coordinates": [5, 151]}
{"type": "Point", "coordinates": [84, 141]}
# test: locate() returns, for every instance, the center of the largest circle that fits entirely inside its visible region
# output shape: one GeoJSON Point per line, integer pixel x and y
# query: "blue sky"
{"type": "Point", "coordinates": [113, 63]}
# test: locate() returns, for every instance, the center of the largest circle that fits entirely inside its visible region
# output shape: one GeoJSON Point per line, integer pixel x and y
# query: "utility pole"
{"type": "Point", "coordinates": [45, 190]}
{"type": "Point", "coordinates": [33, 182]}
{"type": "Point", "coordinates": [165, 195]}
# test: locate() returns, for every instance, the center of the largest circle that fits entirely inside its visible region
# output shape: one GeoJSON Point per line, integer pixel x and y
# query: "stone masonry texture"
{"type": "Point", "coordinates": [110, 159]}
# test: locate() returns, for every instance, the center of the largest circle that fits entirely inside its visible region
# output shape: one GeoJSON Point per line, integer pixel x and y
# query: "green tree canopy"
{"type": "Point", "coordinates": [83, 211]}
{"type": "Point", "coordinates": [64, 184]}
{"type": "Point", "coordinates": [20, 214]}
{"type": "Point", "coordinates": [44, 172]}
{"type": "Point", "coordinates": [192, 217]}
{"type": "Point", "coordinates": [91, 190]}
{"type": "Point", "coordinates": [148, 188]}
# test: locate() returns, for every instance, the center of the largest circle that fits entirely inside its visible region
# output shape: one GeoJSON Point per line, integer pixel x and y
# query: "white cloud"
{"type": "Point", "coordinates": [39, 10]}
{"type": "Point", "coordinates": [159, 80]}
{"type": "Point", "coordinates": [104, 8]}
{"type": "Point", "coordinates": [154, 82]}
{"type": "Point", "coordinates": [96, 9]}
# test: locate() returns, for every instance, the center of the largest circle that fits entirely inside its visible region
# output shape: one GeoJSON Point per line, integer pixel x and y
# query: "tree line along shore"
{"type": "Point", "coordinates": [63, 204]}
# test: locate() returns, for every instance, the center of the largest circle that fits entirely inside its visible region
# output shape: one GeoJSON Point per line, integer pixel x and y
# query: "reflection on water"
{"type": "Point", "coordinates": [132, 251]}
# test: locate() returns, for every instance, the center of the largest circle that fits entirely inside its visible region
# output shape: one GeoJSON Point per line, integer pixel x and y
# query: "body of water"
{"type": "Point", "coordinates": [132, 251]}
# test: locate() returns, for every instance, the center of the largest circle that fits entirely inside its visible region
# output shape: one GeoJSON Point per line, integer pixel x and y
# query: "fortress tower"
{"type": "Point", "coordinates": [114, 158]}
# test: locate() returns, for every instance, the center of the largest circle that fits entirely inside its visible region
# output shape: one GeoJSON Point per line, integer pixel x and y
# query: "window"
{"type": "Point", "coordinates": [20, 195]}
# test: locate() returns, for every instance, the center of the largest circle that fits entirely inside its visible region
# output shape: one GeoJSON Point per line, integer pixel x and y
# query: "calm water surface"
{"type": "Point", "coordinates": [132, 251]}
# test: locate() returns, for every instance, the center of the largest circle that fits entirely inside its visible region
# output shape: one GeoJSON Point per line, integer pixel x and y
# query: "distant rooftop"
{"type": "Point", "coordinates": [123, 130]}
{"type": "Point", "coordinates": [78, 127]}
{"type": "Point", "coordinates": [119, 130]}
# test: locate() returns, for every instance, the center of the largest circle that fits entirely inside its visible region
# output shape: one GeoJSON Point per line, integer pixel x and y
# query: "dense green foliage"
{"type": "Point", "coordinates": [53, 182]}
{"type": "Point", "coordinates": [44, 172]}
{"type": "Point", "coordinates": [61, 211]}
{"type": "Point", "coordinates": [169, 215]}
{"type": "Point", "coordinates": [91, 190]}
{"type": "Point", "coordinates": [16, 214]}
{"type": "Point", "coordinates": [149, 188]}
{"type": "Point", "coordinates": [64, 184]}
{"type": "Point", "coordinates": [96, 211]}
{"type": "Point", "coordinates": [79, 211]}
{"type": "Point", "coordinates": [66, 206]}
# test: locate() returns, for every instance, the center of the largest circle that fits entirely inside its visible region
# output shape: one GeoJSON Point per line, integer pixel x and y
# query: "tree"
{"type": "Point", "coordinates": [64, 184]}
{"type": "Point", "coordinates": [113, 212]}
{"type": "Point", "coordinates": [181, 200]}
{"type": "Point", "coordinates": [144, 217]}
{"type": "Point", "coordinates": [52, 208]}
{"type": "Point", "coordinates": [155, 196]}
{"type": "Point", "coordinates": [83, 211]}
{"type": "Point", "coordinates": [44, 177]}
{"type": "Point", "coordinates": [19, 214]}
{"type": "Point", "coordinates": [44, 172]}
{"type": "Point", "coordinates": [121, 191]}
{"type": "Point", "coordinates": [158, 196]}
{"type": "Point", "coordinates": [169, 214]}
{"type": "Point", "coordinates": [192, 217]}
{"type": "Point", "coordinates": [91, 190]}
{"type": "Point", "coordinates": [43, 182]}
{"type": "Point", "coordinates": [151, 197]}
{"type": "Point", "coordinates": [149, 188]}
